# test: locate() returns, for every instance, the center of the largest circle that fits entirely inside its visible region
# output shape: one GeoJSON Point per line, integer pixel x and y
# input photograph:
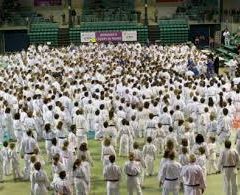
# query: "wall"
{"type": "Point", "coordinates": [231, 4]}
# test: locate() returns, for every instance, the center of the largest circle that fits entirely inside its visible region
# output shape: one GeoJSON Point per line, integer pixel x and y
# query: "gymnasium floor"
{"type": "Point", "coordinates": [214, 182]}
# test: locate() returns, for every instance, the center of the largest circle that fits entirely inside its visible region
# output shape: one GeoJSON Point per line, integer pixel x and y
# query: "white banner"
{"type": "Point", "coordinates": [129, 36]}
{"type": "Point", "coordinates": [87, 37]}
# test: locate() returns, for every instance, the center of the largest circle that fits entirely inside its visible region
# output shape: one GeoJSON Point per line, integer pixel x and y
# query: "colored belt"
{"type": "Point", "coordinates": [129, 175]}
{"type": "Point", "coordinates": [168, 179]}
{"type": "Point", "coordinates": [194, 185]}
{"type": "Point", "coordinates": [61, 137]}
{"type": "Point", "coordinates": [29, 153]}
{"type": "Point", "coordinates": [232, 166]}
{"type": "Point", "coordinates": [112, 180]}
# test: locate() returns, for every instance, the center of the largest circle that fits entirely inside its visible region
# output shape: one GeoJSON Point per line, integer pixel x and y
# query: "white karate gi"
{"type": "Point", "coordinates": [132, 170]}
{"type": "Point", "coordinates": [27, 147]}
{"type": "Point", "coordinates": [170, 177]}
{"type": "Point", "coordinates": [149, 153]}
{"type": "Point", "coordinates": [6, 159]}
{"type": "Point", "coordinates": [40, 182]}
{"type": "Point", "coordinates": [237, 141]}
{"type": "Point", "coordinates": [112, 175]}
{"type": "Point", "coordinates": [15, 162]}
{"type": "Point", "coordinates": [81, 181]}
{"type": "Point", "coordinates": [1, 166]}
{"type": "Point", "coordinates": [62, 187]}
{"type": "Point", "coordinates": [106, 152]}
{"type": "Point", "coordinates": [212, 158]}
{"type": "Point", "coordinates": [193, 179]}
{"type": "Point", "coordinates": [228, 162]}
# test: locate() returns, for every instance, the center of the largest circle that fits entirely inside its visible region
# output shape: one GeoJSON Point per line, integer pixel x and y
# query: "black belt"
{"type": "Point", "coordinates": [112, 180]}
{"type": "Point", "coordinates": [131, 175]}
{"type": "Point", "coordinates": [61, 137]}
{"type": "Point", "coordinates": [189, 185]}
{"type": "Point", "coordinates": [111, 125]}
{"type": "Point", "coordinates": [233, 166]}
{"type": "Point", "coordinates": [48, 139]}
{"type": "Point", "coordinates": [30, 153]}
{"type": "Point", "coordinates": [167, 179]}
{"type": "Point", "coordinates": [165, 124]}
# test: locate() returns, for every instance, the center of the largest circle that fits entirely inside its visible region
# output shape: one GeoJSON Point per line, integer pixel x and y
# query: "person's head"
{"type": "Point", "coordinates": [184, 150]}
{"type": "Point", "coordinates": [131, 156]}
{"type": "Point", "coordinates": [192, 158]}
{"type": "Point", "coordinates": [107, 142]}
{"type": "Point", "coordinates": [112, 158]}
{"type": "Point", "coordinates": [105, 124]}
{"type": "Point", "coordinates": [135, 145]}
{"type": "Point", "coordinates": [29, 133]}
{"type": "Point", "coordinates": [212, 139]}
{"type": "Point", "coordinates": [5, 144]}
{"type": "Point", "coordinates": [47, 127]}
{"type": "Point", "coordinates": [76, 164]}
{"type": "Point", "coordinates": [36, 151]}
{"type": "Point", "coordinates": [83, 147]}
{"type": "Point", "coordinates": [225, 111]}
{"type": "Point", "coordinates": [228, 144]}
{"type": "Point", "coordinates": [199, 139]}
{"type": "Point", "coordinates": [17, 116]}
{"type": "Point", "coordinates": [37, 166]}
{"type": "Point", "coordinates": [185, 142]}
{"type": "Point", "coordinates": [54, 141]}
{"type": "Point", "coordinates": [65, 145]}
{"type": "Point", "coordinates": [73, 128]}
{"type": "Point", "coordinates": [170, 129]}
{"type": "Point", "coordinates": [33, 159]}
{"type": "Point", "coordinates": [62, 175]}
{"type": "Point", "coordinates": [170, 144]}
{"type": "Point", "coordinates": [201, 150]}
{"type": "Point", "coordinates": [56, 158]}
{"type": "Point", "coordinates": [60, 125]}
{"type": "Point", "coordinates": [149, 139]}
{"type": "Point", "coordinates": [166, 153]}
{"type": "Point", "coordinates": [12, 146]}
{"type": "Point", "coordinates": [212, 117]}
{"type": "Point", "coordinates": [171, 155]}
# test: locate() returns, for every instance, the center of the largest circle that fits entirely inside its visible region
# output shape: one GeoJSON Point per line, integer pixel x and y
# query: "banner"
{"type": "Point", "coordinates": [129, 36]}
{"type": "Point", "coordinates": [109, 36]}
{"type": "Point", "coordinates": [87, 37]}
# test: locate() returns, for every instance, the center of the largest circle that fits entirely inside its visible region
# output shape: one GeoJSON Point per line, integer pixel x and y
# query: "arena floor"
{"type": "Point", "coordinates": [98, 187]}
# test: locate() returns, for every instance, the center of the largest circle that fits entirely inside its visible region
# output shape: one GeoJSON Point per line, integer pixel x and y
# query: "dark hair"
{"type": "Point", "coordinates": [184, 150]}
{"type": "Point", "coordinates": [135, 145]}
{"type": "Point", "coordinates": [171, 155]}
{"type": "Point", "coordinates": [5, 144]}
{"type": "Point", "coordinates": [37, 166]}
{"type": "Point", "coordinates": [29, 133]}
{"type": "Point", "coordinates": [112, 158]}
{"type": "Point", "coordinates": [76, 164]}
{"type": "Point", "coordinates": [54, 141]}
{"type": "Point", "coordinates": [17, 116]}
{"type": "Point", "coordinates": [199, 139]}
{"type": "Point", "coordinates": [149, 139]}
{"type": "Point", "coordinates": [166, 153]}
{"type": "Point", "coordinates": [201, 150]}
{"type": "Point", "coordinates": [185, 142]}
{"type": "Point", "coordinates": [47, 127]}
{"type": "Point", "coordinates": [83, 147]}
{"type": "Point", "coordinates": [228, 144]}
{"type": "Point", "coordinates": [62, 174]}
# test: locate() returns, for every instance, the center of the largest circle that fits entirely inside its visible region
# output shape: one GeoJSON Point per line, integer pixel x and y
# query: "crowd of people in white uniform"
{"type": "Point", "coordinates": [120, 94]}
